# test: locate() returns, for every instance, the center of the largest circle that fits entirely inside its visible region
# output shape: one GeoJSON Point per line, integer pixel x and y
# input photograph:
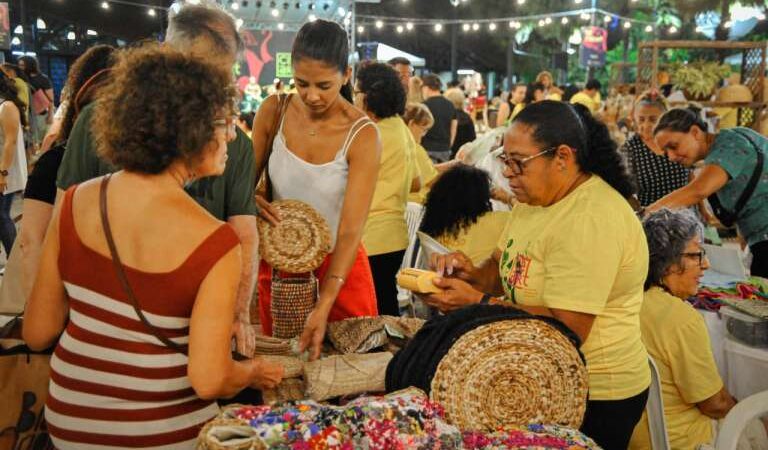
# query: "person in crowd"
{"type": "Point", "coordinates": [86, 76]}
{"type": "Point", "coordinates": [404, 70]}
{"type": "Point", "coordinates": [465, 128]}
{"type": "Point", "coordinates": [13, 161]}
{"type": "Point", "coordinates": [440, 137]}
{"type": "Point", "coordinates": [569, 91]}
{"type": "Point", "coordinates": [207, 32]}
{"type": "Point", "coordinates": [589, 96]}
{"type": "Point", "coordinates": [551, 91]}
{"type": "Point", "coordinates": [245, 121]}
{"type": "Point", "coordinates": [42, 107]}
{"type": "Point", "coordinates": [379, 93]}
{"type": "Point", "coordinates": [326, 154]}
{"type": "Point", "coordinates": [572, 249]}
{"type": "Point", "coordinates": [414, 90]}
{"type": "Point", "coordinates": [676, 337]}
{"type": "Point", "coordinates": [164, 120]}
{"type": "Point", "coordinates": [15, 73]}
{"type": "Point", "coordinates": [535, 92]}
{"type": "Point", "coordinates": [419, 121]}
{"type": "Point", "coordinates": [458, 213]}
{"type": "Point", "coordinates": [730, 159]}
{"type": "Point", "coordinates": [516, 96]}
{"type": "Point", "coordinates": [655, 175]}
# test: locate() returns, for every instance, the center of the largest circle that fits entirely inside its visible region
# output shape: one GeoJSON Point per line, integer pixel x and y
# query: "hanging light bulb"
{"type": "Point", "coordinates": [492, 26]}
{"type": "Point", "coordinates": [438, 27]}
{"type": "Point", "coordinates": [607, 19]}
{"type": "Point", "coordinates": [585, 16]}
{"type": "Point", "coordinates": [521, 2]}
{"type": "Point", "coordinates": [152, 12]}
{"type": "Point", "coordinates": [40, 23]}
{"type": "Point", "coordinates": [18, 30]}
{"type": "Point", "coordinates": [564, 21]}
{"type": "Point", "coordinates": [275, 12]}
{"type": "Point", "coordinates": [409, 26]}
{"type": "Point", "coordinates": [548, 20]}
{"type": "Point", "coordinates": [71, 36]}
{"type": "Point", "coordinates": [361, 29]}
{"type": "Point", "coordinates": [105, 5]}
{"type": "Point", "coordinates": [312, 17]}
{"type": "Point", "coordinates": [578, 2]}
{"type": "Point", "coordinates": [475, 26]}
{"type": "Point", "coordinates": [465, 27]}
{"type": "Point", "coordinates": [673, 29]}
{"type": "Point", "coordinates": [400, 29]}
{"type": "Point", "coordinates": [648, 28]}
{"type": "Point", "coordinates": [281, 26]}
{"type": "Point", "coordinates": [627, 24]}
{"type": "Point", "coordinates": [379, 24]}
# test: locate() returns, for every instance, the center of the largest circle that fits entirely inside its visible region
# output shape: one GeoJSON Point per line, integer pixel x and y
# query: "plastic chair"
{"type": "Point", "coordinates": [737, 418]}
{"type": "Point", "coordinates": [413, 214]}
{"type": "Point", "coordinates": [654, 408]}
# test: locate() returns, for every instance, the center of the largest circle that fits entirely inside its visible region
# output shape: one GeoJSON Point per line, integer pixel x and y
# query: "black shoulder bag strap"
{"type": "Point", "coordinates": [729, 218]}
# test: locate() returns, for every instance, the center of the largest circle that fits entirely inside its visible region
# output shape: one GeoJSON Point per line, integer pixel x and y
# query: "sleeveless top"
{"type": "Point", "coordinates": [113, 383]}
{"type": "Point", "coordinates": [17, 172]}
{"type": "Point", "coordinates": [321, 186]}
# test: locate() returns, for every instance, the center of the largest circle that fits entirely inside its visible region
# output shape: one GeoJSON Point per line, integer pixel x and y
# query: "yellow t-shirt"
{"type": "Point", "coordinates": [426, 170]}
{"type": "Point", "coordinates": [586, 253]}
{"type": "Point", "coordinates": [479, 240]}
{"type": "Point", "coordinates": [592, 103]}
{"type": "Point", "coordinates": [519, 107]}
{"type": "Point", "coordinates": [386, 230]}
{"type": "Point", "coordinates": [677, 339]}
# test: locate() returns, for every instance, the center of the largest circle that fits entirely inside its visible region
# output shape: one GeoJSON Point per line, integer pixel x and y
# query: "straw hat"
{"type": "Point", "coordinates": [299, 242]}
{"type": "Point", "coordinates": [734, 93]}
{"type": "Point", "coordinates": [512, 372]}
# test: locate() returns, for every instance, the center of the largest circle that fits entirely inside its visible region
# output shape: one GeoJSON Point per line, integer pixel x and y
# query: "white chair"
{"type": "Point", "coordinates": [413, 214]}
{"type": "Point", "coordinates": [654, 408]}
{"type": "Point", "coordinates": [738, 417]}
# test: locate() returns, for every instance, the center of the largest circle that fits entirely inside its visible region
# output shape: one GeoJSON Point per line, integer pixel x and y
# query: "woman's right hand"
{"type": "Point", "coordinates": [266, 211]}
{"type": "Point", "coordinates": [267, 375]}
{"type": "Point", "coordinates": [456, 265]}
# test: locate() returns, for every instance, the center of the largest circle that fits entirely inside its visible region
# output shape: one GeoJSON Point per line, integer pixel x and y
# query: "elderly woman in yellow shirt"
{"type": "Point", "coordinates": [676, 337]}
{"type": "Point", "coordinates": [380, 94]}
{"type": "Point", "coordinates": [574, 250]}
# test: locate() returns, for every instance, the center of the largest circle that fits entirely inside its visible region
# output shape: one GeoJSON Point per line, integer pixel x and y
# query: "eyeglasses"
{"type": "Point", "coordinates": [516, 166]}
{"type": "Point", "coordinates": [700, 255]}
{"type": "Point", "coordinates": [229, 124]}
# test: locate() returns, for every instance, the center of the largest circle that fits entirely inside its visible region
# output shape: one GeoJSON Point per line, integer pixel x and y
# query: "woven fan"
{"type": "Point", "coordinates": [512, 372]}
{"type": "Point", "coordinates": [299, 242]}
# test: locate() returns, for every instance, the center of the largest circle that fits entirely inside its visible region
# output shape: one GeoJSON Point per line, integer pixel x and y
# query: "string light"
{"type": "Point", "coordinates": [564, 21]}
{"type": "Point", "coordinates": [235, 6]}
{"type": "Point", "coordinates": [578, 2]}
{"type": "Point", "coordinates": [105, 5]}
{"type": "Point", "coordinates": [275, 12]}
{"type": "Point", "coordinates": [548, 20]}
{"type": "Point", "coordinates": [465, 27]}
{"type": "Point", "coordinates": [673, 29]}
{"type": "Point", "coordinates": [342, 12]}
{"type": "Point", "coordinates": [409, 26]}
{"type": "Point", "coordinates": [361, 29]}
{"type": "Point", "coordinates": [492, 26]}
{"type": "Point", "coordinates": [399, 28]}
{"type": "Point", "coordinates": [379, 24]}
{"type": "Point", "coordinates": [438, 27]}
{"type": "Point", "coordinates": [627, 25]}
{"type": "Point", "coordinates": [475, 26]}
{"type": "Point", "coordinates": [607, 19]}
{"type": "Point", "coordinates": [152, 12]}
{"type": "Point", "coordinates": [648, 28]}
{"type": "Point", "coordinates": [312, 17]}
{"type": "Point", "coordinates": [585, 16]}
{"type": "Point", "coordinates": [521, 2]}
{"type": "Point", "coordinates": [281, 26]}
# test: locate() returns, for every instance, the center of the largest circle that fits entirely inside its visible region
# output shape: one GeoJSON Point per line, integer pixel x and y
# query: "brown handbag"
{"type": "Point", "coordinates": [120, 270]}
{"type": "Point", "coordinates": [263, 185]}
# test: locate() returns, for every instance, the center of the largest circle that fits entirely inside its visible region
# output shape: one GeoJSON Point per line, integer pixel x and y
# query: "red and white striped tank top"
{"type": "Point", "coordinates": [113, 384]}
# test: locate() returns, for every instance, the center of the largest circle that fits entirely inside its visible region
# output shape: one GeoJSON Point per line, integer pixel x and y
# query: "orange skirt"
{"type": "Point", "coordinates": [357, 298]}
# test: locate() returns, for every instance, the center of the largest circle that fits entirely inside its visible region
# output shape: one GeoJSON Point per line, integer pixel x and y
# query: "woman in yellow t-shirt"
{"type": "Point", "coordinates": [419, 120]}
{"type": "Point", "coordinates": [381, 95]}
{"type": "Point", "coordinates": [676, 336]}
{"type": "Point", "coordinates": [534, 93]}
{"type": "Point", "coordinates": [574, 250]}
{"type": "Point", "coordinates": [458, 213]}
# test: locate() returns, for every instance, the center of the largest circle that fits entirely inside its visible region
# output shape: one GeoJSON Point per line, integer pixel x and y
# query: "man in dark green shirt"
{"type": "Point", "coordinates": [228, 197]}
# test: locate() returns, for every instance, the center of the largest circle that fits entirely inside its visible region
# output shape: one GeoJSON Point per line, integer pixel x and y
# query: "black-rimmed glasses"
{"type": "Point", "coordinates": [516, 166]}
{"type": "Point", "coordinates": [700, 255]}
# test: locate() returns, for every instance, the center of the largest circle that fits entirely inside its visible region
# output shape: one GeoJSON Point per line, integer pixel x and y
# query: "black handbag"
{"type": "Point", "coordinates": [729, 218]}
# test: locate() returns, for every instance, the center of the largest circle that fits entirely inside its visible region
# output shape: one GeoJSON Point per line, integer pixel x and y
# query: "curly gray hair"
{"type": "Point", "coordinates": [668, 232]}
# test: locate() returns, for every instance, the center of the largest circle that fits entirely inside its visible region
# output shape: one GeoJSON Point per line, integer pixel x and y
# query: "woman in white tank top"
{"type": "Point", "coordinates": [326, 153]}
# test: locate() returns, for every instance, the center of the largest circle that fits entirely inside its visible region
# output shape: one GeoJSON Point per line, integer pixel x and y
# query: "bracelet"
{"type": "Point", "coordinates": [341, 279]}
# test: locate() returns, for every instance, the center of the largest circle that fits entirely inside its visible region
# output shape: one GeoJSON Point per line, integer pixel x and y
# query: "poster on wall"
{"type": "Point", "coordinates": [594, 44]}
{"type": "Point", "coordinates": [267, 56]}
{"type": "Point", "coordinates": [5, 27]}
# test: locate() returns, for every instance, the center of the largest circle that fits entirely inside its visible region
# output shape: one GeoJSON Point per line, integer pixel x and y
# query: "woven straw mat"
{"type": "Point", "coordinates": [512, 372]}
{"type": "Point", "coordinates": [228, 434]}
{"type": "Point", "coordinates": [300, 241]}
{"type": "Point", "coordinates": [363, 334]}
{"type": "Point", "coordinates": [353, 374]}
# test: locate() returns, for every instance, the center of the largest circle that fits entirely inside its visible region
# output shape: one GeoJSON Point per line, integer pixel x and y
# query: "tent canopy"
{"type": "Point", "coordinates": [384, 53]}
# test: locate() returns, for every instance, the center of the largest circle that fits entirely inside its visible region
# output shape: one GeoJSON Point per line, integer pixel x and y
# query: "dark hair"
{"type": "Point", "coordinates": [667, 232]}
{"type": "Point", "coordinates": [432, 81]}
{"type": "Point", "coordinates": [248, 117]}
{"type": "Point", "coordinates": [555, 123]}
{"type": "Point", "coordinates": [10, 92]}
{"type": "Point", "coordinates": [399, 60]}
{"type": "Point", "coordinates": [86, 76]}
{"type": "Point", "coordinates": [569, 92]}
{"type": "Point", "coordinates": [325, 41]}
{"type": "Point", "coordinates": [31, 64]}
{"type": "Point", "coordinates": [593, 84]}
{"type": "Point", "coordinates": [532, 88]}
{"type": "Point", "coordinates": [457, 199]}
{"type": "Point", "coordinates": [159, 108]}
{"type": "Point", "coordinates": [384, 93]}
{"type": "Point", "coordinates": [204, 20]}
{"type": "Point", "coordinates": [681, 120]}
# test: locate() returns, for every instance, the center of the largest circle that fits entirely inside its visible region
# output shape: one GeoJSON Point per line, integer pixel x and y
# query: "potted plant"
{"type": "Point", "coordinates": [699, 79]}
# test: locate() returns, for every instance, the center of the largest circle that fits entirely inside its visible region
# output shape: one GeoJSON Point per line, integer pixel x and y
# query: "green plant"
{"type": "Point", "coordinates": [699, 78]}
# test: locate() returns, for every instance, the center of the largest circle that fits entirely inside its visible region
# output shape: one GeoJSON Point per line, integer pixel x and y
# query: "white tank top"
{"type": "Point", "coordinates": [321, 186]}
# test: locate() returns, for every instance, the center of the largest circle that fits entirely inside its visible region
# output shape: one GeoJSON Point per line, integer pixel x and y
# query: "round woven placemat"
{"type": "Point", "coordinates": [511, 372]}
{"type": "Point", "coordinates": [299, 242]}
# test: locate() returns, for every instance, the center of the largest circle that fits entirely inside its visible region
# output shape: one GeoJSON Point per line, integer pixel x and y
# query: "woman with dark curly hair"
{"type": "Point", "coordinates": [572, 249]}
{"type": "Point", "coordinates": [458, 213]}
{"type": "Point", "coordinates": [380, 94]}
{"type": "Point", "coordinates": [85, 77]}
{"type": "Point", "coordinates": [326, 154]}
{"type": "Point", "coordinates": [120, 378]}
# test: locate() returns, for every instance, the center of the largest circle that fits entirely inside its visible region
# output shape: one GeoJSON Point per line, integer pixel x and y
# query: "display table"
{"type": "Point", "coordinates": [743, 368]}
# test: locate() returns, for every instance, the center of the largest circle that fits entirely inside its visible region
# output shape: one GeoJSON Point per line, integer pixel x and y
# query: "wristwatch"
{"type": "Point", "coordinates": [4, 173]}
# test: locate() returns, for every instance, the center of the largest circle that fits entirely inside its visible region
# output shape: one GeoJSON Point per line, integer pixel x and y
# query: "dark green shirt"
{"type": "Point", "coordinates": [230, 194]}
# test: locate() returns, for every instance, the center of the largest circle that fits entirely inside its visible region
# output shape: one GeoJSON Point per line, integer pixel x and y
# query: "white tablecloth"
{"type": "Point", "coordinates": [743, 368]}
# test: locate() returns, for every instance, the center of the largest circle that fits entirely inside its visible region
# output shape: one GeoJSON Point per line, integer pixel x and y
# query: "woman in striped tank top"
{"type": "Point", "coordinates": [165, 120]}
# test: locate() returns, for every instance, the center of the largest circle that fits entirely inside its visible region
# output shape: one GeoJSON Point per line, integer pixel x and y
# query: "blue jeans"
{"type": "Point", "coordinates": [7, 227]}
